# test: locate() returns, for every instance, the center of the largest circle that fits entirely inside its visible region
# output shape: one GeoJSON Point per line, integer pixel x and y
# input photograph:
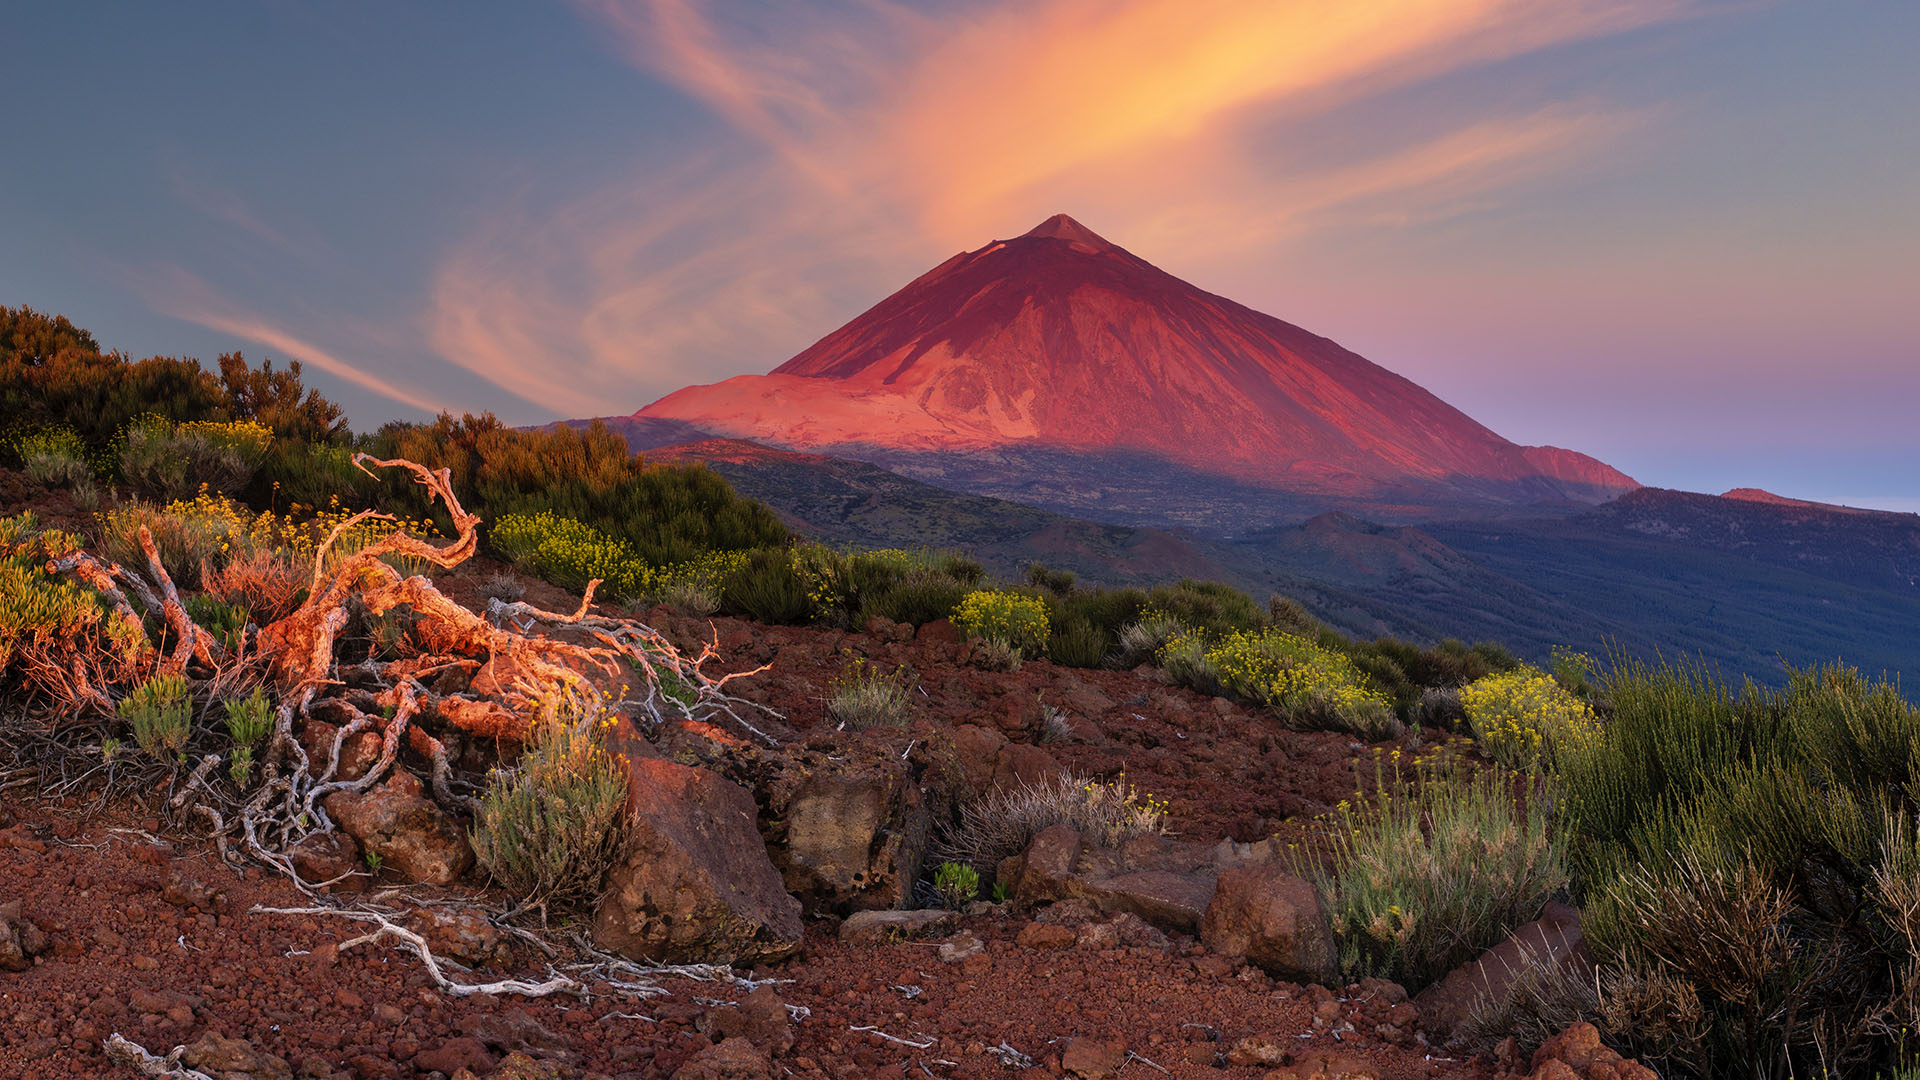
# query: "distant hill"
{"type": "Point", "coordinates": [1740, 583]}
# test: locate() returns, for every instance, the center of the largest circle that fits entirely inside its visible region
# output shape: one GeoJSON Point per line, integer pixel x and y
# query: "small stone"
{"type": "Point", "coordinates": [1038, 935]}
{"type": "Point", "coordinates": [886, 927]}
{"type": "Point", "coordinates": [960, 946]}
{"type": "Point", "coordinates": [1092, 1059]}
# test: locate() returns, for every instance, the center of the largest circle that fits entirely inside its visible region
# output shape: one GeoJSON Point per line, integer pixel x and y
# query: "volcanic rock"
{"type": "Point", "coordinates": [883, 927]}
{"type": "Point", "coordinates": [694, 884]}
{"type": "Point", "coordinates": [1274, 920]}
{"type": "Point", "coordinates": [396, 821]}
{"type": "Point", "coordinates": [234, 1059]}
{"type": "Point", "coordinates": [734, 1059]}
{"type": "Point", "coordinates": [20, 939]}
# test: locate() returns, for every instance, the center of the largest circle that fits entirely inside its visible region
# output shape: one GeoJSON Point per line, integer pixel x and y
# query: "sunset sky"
{"type": "Point", "coordinates": [1683, 237]}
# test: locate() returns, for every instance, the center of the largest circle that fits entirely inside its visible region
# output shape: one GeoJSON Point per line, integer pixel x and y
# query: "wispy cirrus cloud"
{"type": "Point", "coordinates": [182, 295]}
{"type": "Point", "coordinates": [879, 136]}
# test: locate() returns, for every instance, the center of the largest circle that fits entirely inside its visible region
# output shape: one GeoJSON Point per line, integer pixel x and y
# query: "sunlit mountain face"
{"type": "Point", "coordinates": [1059, 347]}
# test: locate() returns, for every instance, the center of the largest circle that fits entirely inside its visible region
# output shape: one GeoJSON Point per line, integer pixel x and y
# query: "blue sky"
{"type": "Point", "coordinates": [1677, 235]}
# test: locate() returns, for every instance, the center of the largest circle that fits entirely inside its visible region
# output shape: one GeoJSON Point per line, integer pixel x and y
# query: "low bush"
{"type": "Point", "coordinates": [1404, 671]}
{"type": "Point", "coordinates": [864, 695]}
{"type": "Point", "coordinates": [56, 637]}
{"type": "Point", "coordinates": [1306, 684]}
{"type": "Point", "coordinates": [1059, 583]}
{"type": "Point", "coordinates": [161, 715]}
{"type": "Point", "coordinates": [956, 883]}
{"type": "Point", "coordinates": [1004, 821]}
{"type": "Point", "coordinates": [226, 622]}
{"type": "Point", "coordinates": [770, 588]}
{"type": "Point", "coordinates": [1077, 642]}
{"type": "Point", "coordinates": [919, 597]}
{"type": "Point", "coordinates": [249, 721]}
{"type": "Point", "coordinates": [1004, 618]}
{"type": "Point", "coordinates": [55, 457]}
{"type": "Point", "coordinates": [1525, 719]}
{"type": "Point", "coordinates": [548, 829]}
{"type": "Point", "coordinates": [1210, 608]}
{"type": "Point", "coordinates": [914, 587]}
{"type": "Point", "coordinates": [1145, 640]}
{"type": "Point", "coordinates": [569, 554]}
{"type": "Point", "coordinates": [267, 582]}
{"type": "Point", "coordinates": [666, 514]}
{"type": "Point", "coordinates": [1421, 878]}
{"type": "Point", "coordinates": [1746, 869]}
{"type": "Point", "coordinates": [163, 460]}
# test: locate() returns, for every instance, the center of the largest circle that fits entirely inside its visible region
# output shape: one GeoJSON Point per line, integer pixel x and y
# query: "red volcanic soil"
{"type": "Point", "coordinates": [1059, 339]}
{"type": "Point", "coordinates": [152, 935]}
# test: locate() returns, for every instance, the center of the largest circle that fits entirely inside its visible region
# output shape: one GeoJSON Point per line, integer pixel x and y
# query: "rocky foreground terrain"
{"type": "Point", "coordinates": [1189, 955]}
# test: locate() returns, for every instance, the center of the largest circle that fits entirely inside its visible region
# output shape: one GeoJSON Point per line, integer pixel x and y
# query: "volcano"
{"type": "Point", "coordinates": [1060, 346]}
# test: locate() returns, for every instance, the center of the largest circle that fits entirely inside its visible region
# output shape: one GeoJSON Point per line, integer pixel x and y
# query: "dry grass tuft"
{"type": "Point", "coordinates": [1003, 822]}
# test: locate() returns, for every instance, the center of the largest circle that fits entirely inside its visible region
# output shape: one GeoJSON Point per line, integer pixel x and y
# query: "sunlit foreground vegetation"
{"type": "Point", "coordinates": [1746, 860]}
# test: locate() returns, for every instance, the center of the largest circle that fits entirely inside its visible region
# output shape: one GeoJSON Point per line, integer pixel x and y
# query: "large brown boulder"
{"type": "Point", "coordinates": [846, 834]}
{"type": "Point", "coordinates": [1273, 919]}
{"type": "Point", "coordinates": [694, 883]}
{"type": "Point", "coordinates": [1167, 884]}
{"type": "Point", "coordinates": [396, 821]}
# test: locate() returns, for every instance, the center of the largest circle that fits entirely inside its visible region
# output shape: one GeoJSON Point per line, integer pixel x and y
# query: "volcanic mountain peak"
{"type": "Point", "coordinates": [1061, 342]}
{"type": "Point", "coordinates": [1062, 227]}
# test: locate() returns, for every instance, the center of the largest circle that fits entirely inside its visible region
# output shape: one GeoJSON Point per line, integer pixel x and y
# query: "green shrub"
{"type": "Point", "coordinates": [1306, 684]}
{"type": "Point", "coordinates": [1421, 879]}
{"type": "Point", "coordinates": [1044, 578]}
{"type": "Point", "coordinates": [297, 474]}
{"type": "Point", "coordinates": [1008, 618]}
{"type": "Point", "coordinates": [956, 883]}
{"type": "Point", "coordinates": [1524, 719]}
{"type": "Point", "coordinates": [1186, 659]}
{"type": "Point", "coordinates": [770, 588]}
{"type": "Point", "coordinates": [249, 720]}
{"type": "Point", "coordinates": [919, 597]}
{"type": "Point", "coordinates": [1147, 639]}
{"type": "Point", "coordinates": [1404, 671]}
{"type": "Point", "coordinates": [1077, 642]}
{"type": "Point", "coordinates": [1210, 608]}
{"type": "Point", "coordinates": [863, 695]}
{"type": "Point", "coordinates": [1731, 852]}
{"type": "Point", "coordinates": [548, 830]}
{"type": "Point", "coordinates": [226, 622]}
{"type": "Point", "coordinates": [914, 587]}
{"type": "Point", "coordinates": [161, 716]}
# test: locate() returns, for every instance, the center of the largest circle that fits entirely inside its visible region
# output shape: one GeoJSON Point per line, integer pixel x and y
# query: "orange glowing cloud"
{"type": "Point", "coordinates": [900, 134]}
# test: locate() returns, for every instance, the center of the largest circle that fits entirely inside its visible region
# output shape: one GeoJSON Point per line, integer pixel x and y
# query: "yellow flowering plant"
{"type": "Point", "coordinates": [1524, 718]}
{"type": "Point", "coordinates": [1305, 683]}
{"type": "Point", "coordinates": [1006, 618]}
